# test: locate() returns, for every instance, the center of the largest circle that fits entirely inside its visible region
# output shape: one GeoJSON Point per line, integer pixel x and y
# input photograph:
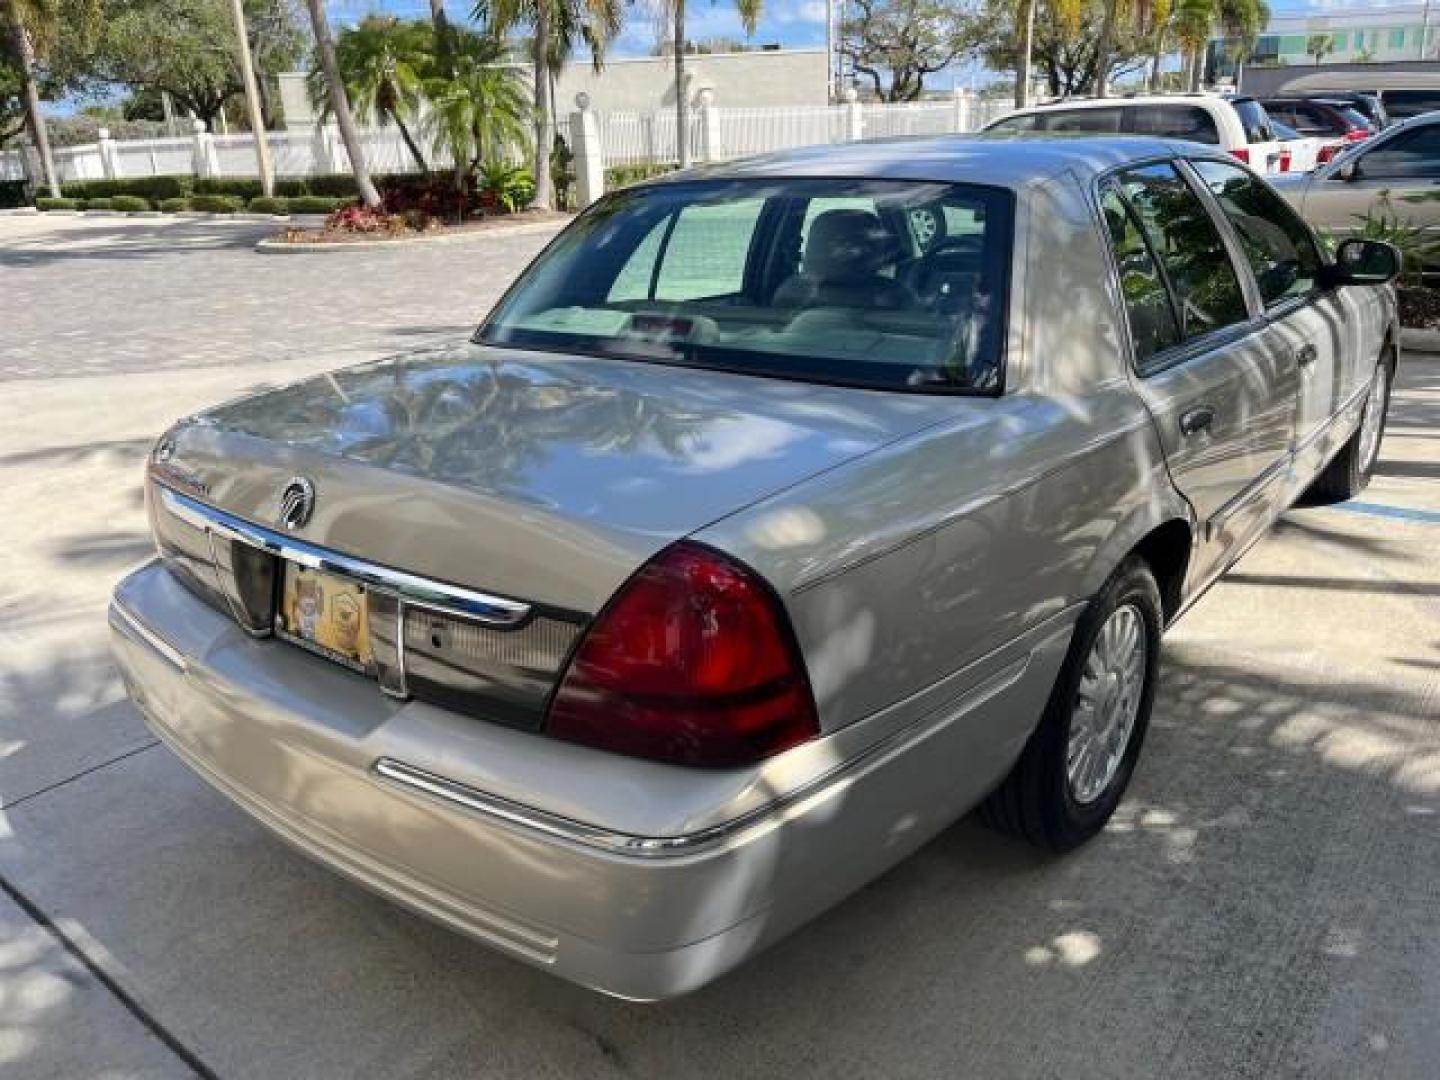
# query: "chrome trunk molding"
{"type": "Point", "coordinates": [497, 611]}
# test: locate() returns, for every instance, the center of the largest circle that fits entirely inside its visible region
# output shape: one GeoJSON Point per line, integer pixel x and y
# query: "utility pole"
{"type": "Point", "coordinates": [252, 101]}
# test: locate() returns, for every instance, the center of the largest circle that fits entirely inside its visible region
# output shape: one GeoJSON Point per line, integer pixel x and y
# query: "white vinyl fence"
{"type": "Point", "coordinates": [624, 138]}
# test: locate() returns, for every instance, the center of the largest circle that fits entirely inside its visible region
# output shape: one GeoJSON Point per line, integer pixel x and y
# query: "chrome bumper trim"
{"type": "Point", "coordinates": [484, 607]}
{"type": "Point", "coordinates": [656, 847]}
{"type": "Point", "coordinates": [132, 622]}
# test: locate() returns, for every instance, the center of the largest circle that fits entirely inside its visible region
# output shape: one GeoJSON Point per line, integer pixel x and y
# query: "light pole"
{"type": "Point", "coordinates": [252, 102]}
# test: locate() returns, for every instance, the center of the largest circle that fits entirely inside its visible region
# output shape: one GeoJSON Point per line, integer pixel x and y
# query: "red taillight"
{"type": "Point", "coordinates": [1242, 153]}
{"type": "Point", "coordinates": [1356, 135]}
{"type": "Point", "coordinates": [692, 663]}
{"type": "Point", "coordinates": [1328, 151]}
{"type": "Point", "coordinates": [1284, 160]}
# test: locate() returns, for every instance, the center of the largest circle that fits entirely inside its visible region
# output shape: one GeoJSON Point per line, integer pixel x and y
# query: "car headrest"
{"type": "Point", "coordinates": [847, 246]}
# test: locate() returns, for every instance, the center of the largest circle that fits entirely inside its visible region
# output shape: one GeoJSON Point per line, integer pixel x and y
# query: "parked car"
{"type": "Point", "coordinates": [1301, 153]}
{"type": "Point", "coordinates": [1321, 118]}
{"type": "Point", "coordinates": [1404, 103]}
{"type": "Point", "coordinates": [779, 514]}
{"type": "Point", "coordinates": [1236, 124]}
{"type": "Point", "coordinates": [1366, 104]}
{"type": "Point", "coordinates": [1397, 173]}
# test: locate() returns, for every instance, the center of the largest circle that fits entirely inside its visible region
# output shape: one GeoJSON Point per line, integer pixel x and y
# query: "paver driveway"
{"type": "Point", "coordinates": [1266, 903]}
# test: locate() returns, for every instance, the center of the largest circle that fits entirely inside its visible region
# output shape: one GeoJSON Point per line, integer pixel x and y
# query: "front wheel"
{"type": "Point", "coordinates": [1078, 762]}
{"type": "Point", "coordinates": [1349, 473]}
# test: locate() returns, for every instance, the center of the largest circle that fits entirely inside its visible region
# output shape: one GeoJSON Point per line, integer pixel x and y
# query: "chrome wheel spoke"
{"type": "Point", "coordinates": [1107, 702]}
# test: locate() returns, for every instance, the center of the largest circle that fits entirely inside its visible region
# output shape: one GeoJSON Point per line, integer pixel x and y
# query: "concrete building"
{"type": "Point", "coordinates": [1357, 35]}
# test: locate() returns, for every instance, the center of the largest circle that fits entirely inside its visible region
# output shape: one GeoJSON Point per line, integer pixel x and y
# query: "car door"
{"type": "Point", "coordinates": [1311, 330]}
{"type": "Point", "coordinates": [1397, 173]}
{"type": "Point", "coordinates": [1222, 401]}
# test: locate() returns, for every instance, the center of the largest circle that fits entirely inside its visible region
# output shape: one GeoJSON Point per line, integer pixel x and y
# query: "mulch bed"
{"type": "Point", "coordinates": [322, 235]}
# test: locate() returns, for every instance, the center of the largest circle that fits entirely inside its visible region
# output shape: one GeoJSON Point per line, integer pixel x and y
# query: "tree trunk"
{"type": "Point", "coordinates": [682, 112]}
{"type": "Point", "coordinates": [340, 104]}
{"type": "Point", "coordinates": [25, 57]}
{"type": "Point", "coordinates": [1104, 50]}
{"type": "Point", "coordinates": [1026, 21]}
{"type": "Point", "coordinates": [1155, 58]}
{"type": "Point", "coordinates": [252, 101]}
{"type": "Point", "coordinates": [1197, 69]}
{"type": "Point", "coordinates": [410, 143]}
{"type": "Point", "coordinates": [544, 133]}
{"type": "Point", "coordinates": [441, 22]}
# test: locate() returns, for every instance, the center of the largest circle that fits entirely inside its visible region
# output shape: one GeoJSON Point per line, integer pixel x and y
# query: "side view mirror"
{"type": "Point", "coordinates": [1365, 262]}
{"type": "Point", "coordinates": [1349, 170]}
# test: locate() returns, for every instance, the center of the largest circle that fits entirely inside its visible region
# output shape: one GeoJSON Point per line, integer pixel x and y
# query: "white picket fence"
{"type": "Point", "coordinates": [626, 138]}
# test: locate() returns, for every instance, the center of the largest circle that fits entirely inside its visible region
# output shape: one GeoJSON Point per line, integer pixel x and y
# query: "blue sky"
{"type": "Point", "coordinates": [791, 23]}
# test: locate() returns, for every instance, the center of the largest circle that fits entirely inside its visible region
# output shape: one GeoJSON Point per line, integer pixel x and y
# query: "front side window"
{"type": "Point", "coordinates": [1277, 244]}
{"type": "Point", "coordinates": [1013, 124]}
{"type": "Point", "coordinates": [1408, 155]}
{"type": "Point", "coordinates": [1188, 122]}
{"type": "Point", "coordinates": [885, 284]}
{"type": "Point", "coordinates": [1185, 239]}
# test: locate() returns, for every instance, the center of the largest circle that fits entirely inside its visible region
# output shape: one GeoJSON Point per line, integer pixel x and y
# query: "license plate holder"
{"type": "Point", "coordinates": [326, 613]}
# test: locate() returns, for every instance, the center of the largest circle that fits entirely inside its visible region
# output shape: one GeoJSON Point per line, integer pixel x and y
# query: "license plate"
{"type": "Point", "coordinates": [327, 614]}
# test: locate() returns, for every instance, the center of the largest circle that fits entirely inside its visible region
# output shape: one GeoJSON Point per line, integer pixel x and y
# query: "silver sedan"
{"type": "Point", "coordinates": [779, 514]}
{"type": "Point", "coordinates": [1396, 175]}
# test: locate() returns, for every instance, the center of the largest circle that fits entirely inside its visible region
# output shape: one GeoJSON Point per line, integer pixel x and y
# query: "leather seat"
{"type": "Point", "coordinates": [841, 266]}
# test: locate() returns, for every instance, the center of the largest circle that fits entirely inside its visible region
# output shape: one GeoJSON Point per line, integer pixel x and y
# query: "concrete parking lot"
{"type": "Point", "coordinates": [1265, 904]}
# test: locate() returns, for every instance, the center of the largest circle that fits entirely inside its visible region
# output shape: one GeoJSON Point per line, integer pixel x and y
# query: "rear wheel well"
{"type": "Point", "coordinates": [1166, 550]}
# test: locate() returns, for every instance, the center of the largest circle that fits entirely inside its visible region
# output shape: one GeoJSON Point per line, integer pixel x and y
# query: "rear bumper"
{"type": "Point", "coordinates": [577, 884]}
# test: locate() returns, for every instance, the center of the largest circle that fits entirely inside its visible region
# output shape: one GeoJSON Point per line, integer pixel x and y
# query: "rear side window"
{"type": "Point", "coordinates": [1026, 122]}
{"type": "Point", "coordinates": [1090, 120]}
{"type": "Point", "coordinates": [1254, 120]}
{"type": "Point", "coordinates": [1188, 122]}
{"type": "Point", "coordinates": [1277, 244]}
{"type": "Point", "coordinates": [1142, 287]}
{"type": "Point", "coordinates": [1188, 244]}
{"type": "Point", "coordinates": [1403, 104]}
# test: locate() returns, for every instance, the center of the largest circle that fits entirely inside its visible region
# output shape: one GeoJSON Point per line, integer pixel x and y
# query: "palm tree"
{"type": "Point", "coordinates": [340, 104]}
{"type": "Point", "coordinates": [1239, 20]}
{"type": "Point", "coordinates": [673, 12]}
{"type": "Point", "coordinates": [1320, 46]}
{"type": "Point", "coordinates": [479, 112]}
{"type": "Point", "coordinates": [557, 27]}
{"type": "Point", "coordinates": [382, 63]}
{"type": "Point", "coordinates": [1025, 25]}
{"type": "Point", "coordinates": [24, 19]}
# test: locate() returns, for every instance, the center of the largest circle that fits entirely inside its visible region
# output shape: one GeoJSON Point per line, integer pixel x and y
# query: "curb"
{"type": "Point", "coordinates": [281, 247]}
{"type": "Point", "coordinates": [18, 211]}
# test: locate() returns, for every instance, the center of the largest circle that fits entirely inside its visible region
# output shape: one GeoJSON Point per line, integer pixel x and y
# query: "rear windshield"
{"type": "Point", "coordinates": [1254, 120]}
{"type": "Point", "coordinates": [895, 285]}
{"type": "Point", "coordinates": [1403, 104]}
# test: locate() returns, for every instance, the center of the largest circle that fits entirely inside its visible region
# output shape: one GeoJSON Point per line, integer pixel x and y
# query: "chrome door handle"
{"type": "Point", "coordinates": [1196, 420]}
{"type": "Point", "coordinates": [1306, 355]}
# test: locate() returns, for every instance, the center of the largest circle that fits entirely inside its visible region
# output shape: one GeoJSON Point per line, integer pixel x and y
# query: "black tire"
{"type": "Point", "coordinates": [1035, 801]}
{"type": "Point", "coordinates": [1347, 475]}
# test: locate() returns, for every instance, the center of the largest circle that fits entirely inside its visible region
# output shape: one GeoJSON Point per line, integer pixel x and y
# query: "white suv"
{"type": "Point", "coordinates": [1237, 124]}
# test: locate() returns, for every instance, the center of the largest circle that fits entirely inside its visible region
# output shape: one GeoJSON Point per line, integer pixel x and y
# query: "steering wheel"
{"type": "Point", "coordinates": [928, 225]}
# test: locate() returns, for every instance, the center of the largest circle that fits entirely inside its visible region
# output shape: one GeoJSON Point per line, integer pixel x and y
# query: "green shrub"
{"type": "Point", "coordinates": [291, 188]}
{"type": "Point", "coordinates": [174, 206]}
{"type": "Point", "coordinates": [262, 204]}
{"type": "Point", "coordinates": [217, 204]}
{"type": "Point", "coordinates": [47, 203]}
{"type": "Point", "coordinates": [129, 203]}
{"type": "Point", "coordinates": [315, 204]}
{"type": "Point", "coordinates": [14, 193]}
{"type": "Point", "coordinates": [228, 185]}
{"type": "Point", "coordinates": [334, 185]}
{"type": "Point", "coordinates": [619, 176]}
{"type": "Point", "coordinates": [150, 188]}
{"type": "Point", "coordinates": [95, 204]}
